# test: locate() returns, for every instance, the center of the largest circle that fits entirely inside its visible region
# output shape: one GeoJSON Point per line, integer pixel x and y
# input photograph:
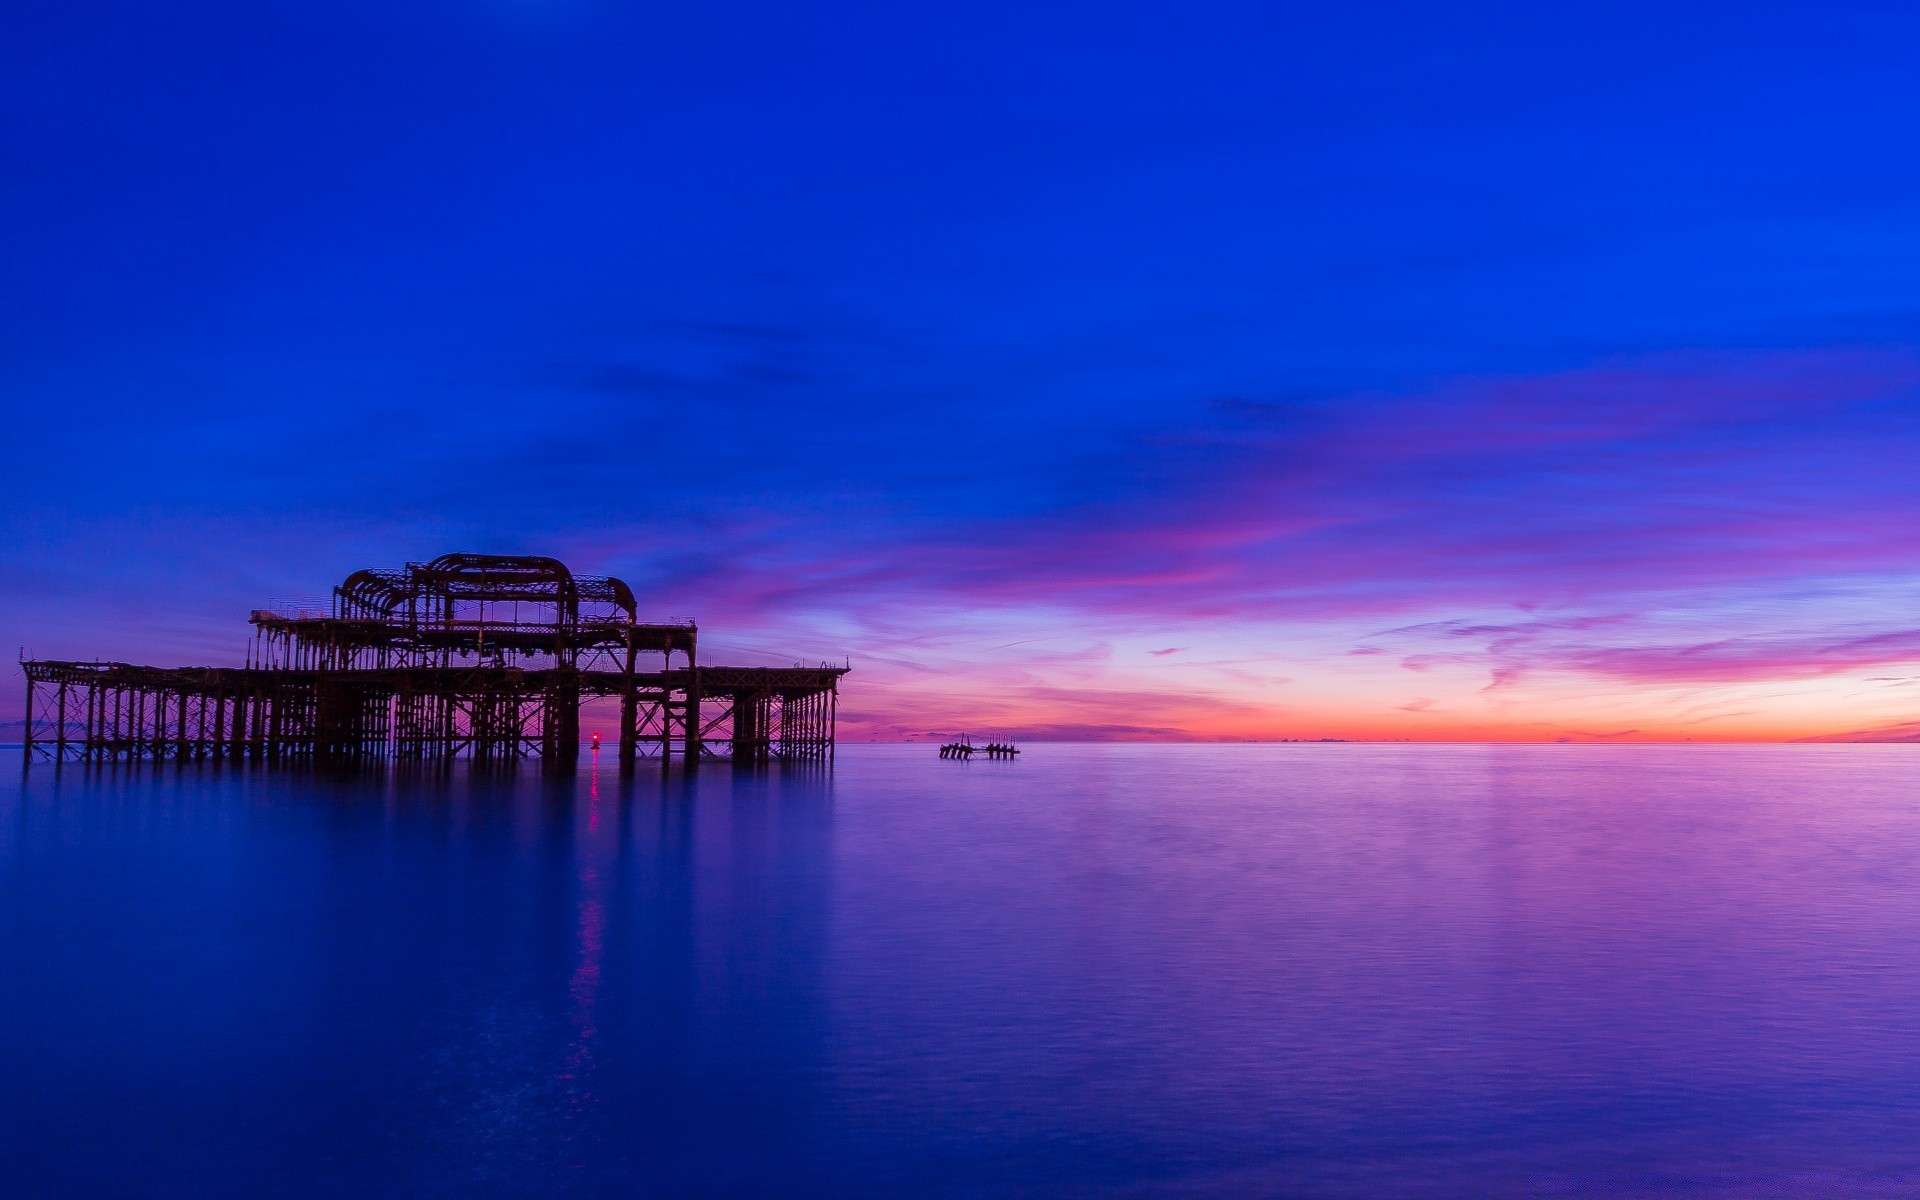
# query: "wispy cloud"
{"type": "Point", "coordinates": [1594, 505]}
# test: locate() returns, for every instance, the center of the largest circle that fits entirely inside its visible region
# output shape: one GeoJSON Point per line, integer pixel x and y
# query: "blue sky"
{"type": "Point", "coordinates": [1002, 348]}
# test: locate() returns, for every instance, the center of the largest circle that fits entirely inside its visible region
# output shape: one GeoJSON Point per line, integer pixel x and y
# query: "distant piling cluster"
{"type": "Point", "coordinates": [965, 749]}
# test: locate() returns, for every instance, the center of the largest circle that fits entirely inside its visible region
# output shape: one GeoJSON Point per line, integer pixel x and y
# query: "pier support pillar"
{"type": "Point", "coordinates": [690, 749]}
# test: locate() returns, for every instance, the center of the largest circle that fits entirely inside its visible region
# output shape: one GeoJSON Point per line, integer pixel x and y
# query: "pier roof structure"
{"type": "Point", "coordinates": [470, 606]}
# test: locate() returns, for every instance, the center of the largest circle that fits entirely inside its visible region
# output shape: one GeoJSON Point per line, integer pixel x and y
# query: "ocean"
{"type": "Point", "coordinates": [1323, 970]}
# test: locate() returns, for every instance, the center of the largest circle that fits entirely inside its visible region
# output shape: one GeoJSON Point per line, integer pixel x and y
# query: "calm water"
{"type": "Point", "coordinates": [1099, 971]}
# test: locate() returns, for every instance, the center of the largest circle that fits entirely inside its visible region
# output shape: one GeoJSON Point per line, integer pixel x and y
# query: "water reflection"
{"type": "Point", "coordinates": [584, 987]}
{"type": "Point", "coordinates": [1101, 970]}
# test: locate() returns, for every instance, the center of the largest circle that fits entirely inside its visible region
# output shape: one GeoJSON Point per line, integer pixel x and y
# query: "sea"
{"type": "Point", "coordinates": [1301, 970]}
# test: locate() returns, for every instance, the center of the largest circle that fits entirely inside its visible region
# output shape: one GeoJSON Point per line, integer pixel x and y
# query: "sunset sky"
{"type": "Point", "coordinates": [1157, 371]}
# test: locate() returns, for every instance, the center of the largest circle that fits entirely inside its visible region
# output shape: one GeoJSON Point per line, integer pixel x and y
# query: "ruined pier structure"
{"type": "Point", "coordinates": [483, 655]}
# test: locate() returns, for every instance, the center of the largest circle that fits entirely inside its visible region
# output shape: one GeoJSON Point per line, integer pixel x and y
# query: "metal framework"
{"type": "Point", "coordinates": [485, 656]}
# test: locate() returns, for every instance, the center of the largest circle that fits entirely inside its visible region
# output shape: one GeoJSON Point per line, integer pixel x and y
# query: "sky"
{"type": "Point", "coordinates": [1088, 371]}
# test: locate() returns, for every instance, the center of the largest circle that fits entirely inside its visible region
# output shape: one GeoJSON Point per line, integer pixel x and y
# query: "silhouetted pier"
{"type": "Point", "coordinates": [485, 656]}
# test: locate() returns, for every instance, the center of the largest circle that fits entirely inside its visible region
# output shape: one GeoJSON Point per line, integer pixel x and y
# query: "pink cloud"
{"type": "Point", "coordinates": [1741, 660]}
{"type": "Point", "coordinates": [1568, 487]}
{"type": "Point", "coordinates": [1590, 495]}
{"type": "Point", "coordinates": [1908, 731]}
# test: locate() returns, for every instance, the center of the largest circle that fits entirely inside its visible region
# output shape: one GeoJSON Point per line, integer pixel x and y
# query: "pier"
{"type": "Point", "coordinates": [484, 656]}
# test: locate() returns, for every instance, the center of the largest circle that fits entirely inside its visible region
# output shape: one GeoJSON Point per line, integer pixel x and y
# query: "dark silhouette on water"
{"type": "Point", "coordinates": [489, 656]}
{"type": "Point", "coordinates": [965, 749]}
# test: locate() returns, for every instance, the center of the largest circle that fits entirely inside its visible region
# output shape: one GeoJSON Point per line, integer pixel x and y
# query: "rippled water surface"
{"type": "Point", "coordinates": [1319, 970]}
